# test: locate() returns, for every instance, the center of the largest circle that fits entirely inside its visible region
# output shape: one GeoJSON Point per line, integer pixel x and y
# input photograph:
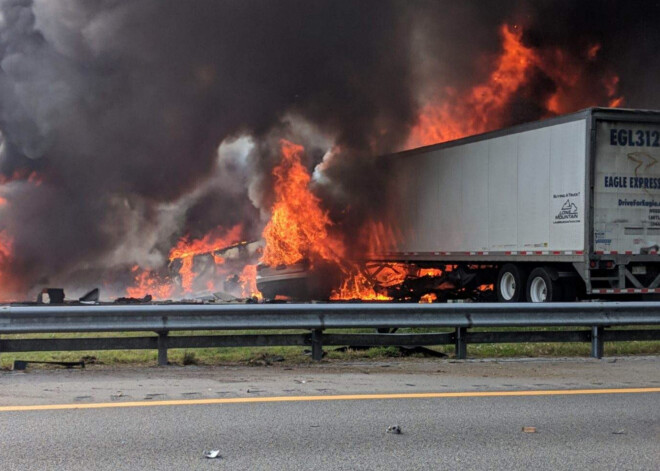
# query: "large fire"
{"type": "Point", "coordinates": [161, 286]}
{"type": "Point", "coordinates": [248, 282]}
{"type": "Point", "coordinates": [299, 228]}
{"type": "Point", "coordinates": [455, 114]}
{"type": "Point", "coordinates": [186, 249]}
{"type": "Point", "coordinates": [145, 282]}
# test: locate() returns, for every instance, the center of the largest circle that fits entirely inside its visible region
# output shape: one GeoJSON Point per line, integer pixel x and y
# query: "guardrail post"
{"type": "Point", "coordinates": [162, 348]}
{"type": "Point", "coordinates": [597, 346]}
{"type": "Point", "coordinates": [317, 344]}
{"type": "Point", "coordinates": [461, 343]}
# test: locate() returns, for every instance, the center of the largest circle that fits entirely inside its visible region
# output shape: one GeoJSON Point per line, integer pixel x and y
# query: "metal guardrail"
{"type": "Point", "coordinates": [316, 319]}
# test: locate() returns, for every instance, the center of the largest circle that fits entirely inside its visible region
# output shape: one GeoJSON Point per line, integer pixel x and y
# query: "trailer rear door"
{"type": "Point", "coordinates": [627, 187]}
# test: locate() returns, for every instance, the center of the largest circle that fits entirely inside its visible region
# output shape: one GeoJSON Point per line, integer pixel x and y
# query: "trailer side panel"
{"type": "Point", "coordinates": [517, 193]}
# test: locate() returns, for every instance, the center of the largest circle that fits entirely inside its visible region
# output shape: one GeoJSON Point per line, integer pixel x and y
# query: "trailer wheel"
{"type": "Point", "coordinates": [541, 288]}
{"type": "Point", "coordinates": [510, 285]}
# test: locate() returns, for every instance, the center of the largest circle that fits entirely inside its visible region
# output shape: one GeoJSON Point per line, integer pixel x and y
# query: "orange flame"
{"type": "Point", "coordinates": [248, 282]}
{"type": "Point", "coordinates": [431, 272]}
{"type": "Point", "coordinates": [477, 111]}
{"type": "Point", "coordinates": [428, 298]}
{"type": "Point", "coordinates": [298, 227]}
{"type": "Point", "coordinates": [6, 244]}
{"type": "Point", "coordinates": [162, 287]}
{"type": "Point", "coordinates": [483, 107]}
{"type": "Point", "coordinates": [357, 286]}
{"type": "Point", "coordinates": [145, 282]}
{"type": "Point", "coordinates": [186, 249]}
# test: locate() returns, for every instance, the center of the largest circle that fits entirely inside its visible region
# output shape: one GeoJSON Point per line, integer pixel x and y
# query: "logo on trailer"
{"type": "Point", "coordinates": [568, 212]}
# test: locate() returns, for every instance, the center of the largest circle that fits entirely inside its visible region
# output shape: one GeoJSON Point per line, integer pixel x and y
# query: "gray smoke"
{"type": "Point", "coordinates": [120, 107]}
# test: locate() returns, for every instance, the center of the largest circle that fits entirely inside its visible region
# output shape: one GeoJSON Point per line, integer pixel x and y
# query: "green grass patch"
{"type": "Point", "coordinates": [296, 355]}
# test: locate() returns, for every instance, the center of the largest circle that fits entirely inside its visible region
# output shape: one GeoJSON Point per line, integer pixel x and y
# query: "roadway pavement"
{"type": "Point", "coordinates": [579, 421]}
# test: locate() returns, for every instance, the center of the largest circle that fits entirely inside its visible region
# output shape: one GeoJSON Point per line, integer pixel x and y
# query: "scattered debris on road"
{"type": "Point", "coordinates": [20, 365]}
{"type": "Point", "coordinates": [395, 429]}
{"type": "Point", "coordinates": [89, 360]}
{"type": "Point", "coordinates": [308, 352]}
{"type": "Point", "coordinates": [529, 429]}
{"type": "Point", "coordinates": [265, 360]}
{"type": "Point", "coordinates": [619, 432]}
{"type": "Point", "coordinates": [213, 454]}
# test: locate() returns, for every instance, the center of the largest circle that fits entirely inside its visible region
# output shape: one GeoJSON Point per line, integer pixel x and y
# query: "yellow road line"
{"type": "Point", "coordinates": [345, 397]}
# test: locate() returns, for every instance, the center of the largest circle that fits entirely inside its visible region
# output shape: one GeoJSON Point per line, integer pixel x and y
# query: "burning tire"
{"type": "Point", "coordinates": [511, 282]}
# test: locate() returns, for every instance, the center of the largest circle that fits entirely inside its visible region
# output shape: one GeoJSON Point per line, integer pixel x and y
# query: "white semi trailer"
{"type": "Point", "coordinates": [564, 207]}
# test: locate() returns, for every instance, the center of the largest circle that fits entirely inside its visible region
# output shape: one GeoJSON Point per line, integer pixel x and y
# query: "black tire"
{"type": "Point", "coordinates": [541, 284]}
{"type": "Point", "coordinates": [519, 276]}
{"type": "Point", "coordinates": [569, 289]}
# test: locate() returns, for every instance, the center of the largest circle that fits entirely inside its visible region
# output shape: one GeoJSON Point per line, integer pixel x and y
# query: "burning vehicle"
{"type": "Point", "coordinates": [547, 211]}
{"type": "Point", "coordinates": [304, 163]}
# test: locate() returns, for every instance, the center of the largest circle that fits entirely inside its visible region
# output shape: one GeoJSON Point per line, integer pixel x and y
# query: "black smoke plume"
{"type": "Point", "coordinates": [112, 112]}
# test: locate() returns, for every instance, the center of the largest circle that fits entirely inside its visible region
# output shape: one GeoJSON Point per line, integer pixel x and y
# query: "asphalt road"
{"type": "Point", "coordinates": [619, 431]}
{"type": "Point", "coordinates": [573, 431]}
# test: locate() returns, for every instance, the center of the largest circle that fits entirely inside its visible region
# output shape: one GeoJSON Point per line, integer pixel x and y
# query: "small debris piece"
{"type": "Point", "coordinates": [265, 360]}
{"type": "Point", "coordinates": [395, 429]}
{"type": "Point", "coordinates": [406, 351]}
{"type": "Point", "coordinates": [92, 297]}
{"type": "Point", "coordinates": [89, 359]}
{"type": "Point", "coordinates": [619, 432]}
{"type": "Point", "coordinates": [127, 300]}
{"type": "Point", "coordinates": [348, 348]}
{"type": "Point", "coordinates": [308, 352]}
{"type": "Point", "coordinates": [51, 296]}
{"type": "Point", "coordinates": [20, 365]}
{"type": "Point", "coordinates": [529, 429]}
{"type": "Point", "coordinates": [212, 454]}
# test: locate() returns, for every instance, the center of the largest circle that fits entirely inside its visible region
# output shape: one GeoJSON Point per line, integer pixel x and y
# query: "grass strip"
{"type": "Point", "coordinates": [296, 355]}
